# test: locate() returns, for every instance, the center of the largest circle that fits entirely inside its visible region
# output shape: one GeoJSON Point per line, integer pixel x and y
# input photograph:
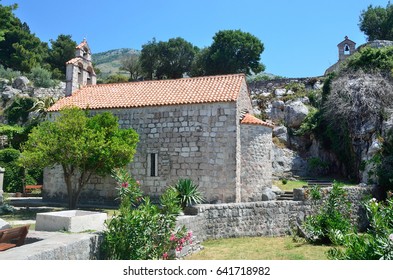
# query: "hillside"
{"type": "Point", "coordinates": [109, 62]}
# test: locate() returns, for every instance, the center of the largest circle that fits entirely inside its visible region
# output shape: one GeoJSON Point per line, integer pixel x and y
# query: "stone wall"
{"type": "Point", "coordinates": [264, 218]}
{"type": "Point", "coordinates": [270, 86]}
{"type": "Point", "coordinates": [256, 161]}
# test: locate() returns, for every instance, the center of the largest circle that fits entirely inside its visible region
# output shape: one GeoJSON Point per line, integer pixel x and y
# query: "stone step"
{"type": "Point", "coordinates": [287, 195]}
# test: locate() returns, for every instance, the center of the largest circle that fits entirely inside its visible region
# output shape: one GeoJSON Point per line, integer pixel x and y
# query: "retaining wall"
{"type": "Point", "coordinates": [265, 218]}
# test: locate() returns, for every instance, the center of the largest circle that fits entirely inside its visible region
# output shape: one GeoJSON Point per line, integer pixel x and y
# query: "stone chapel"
{"type": "Point", "coordinates": [200, 128]}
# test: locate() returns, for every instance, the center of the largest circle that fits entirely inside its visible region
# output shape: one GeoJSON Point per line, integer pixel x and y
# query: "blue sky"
{"type": "Point", "coordinates": [300, 36]}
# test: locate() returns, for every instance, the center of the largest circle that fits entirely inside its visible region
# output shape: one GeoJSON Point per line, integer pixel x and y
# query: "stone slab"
{"type": "Point", "coordinates": [71, 220]}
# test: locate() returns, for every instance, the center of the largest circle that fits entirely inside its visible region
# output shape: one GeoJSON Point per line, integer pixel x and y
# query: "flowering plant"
{"type": "Point", "coordinates": [177, 242]}
{"type": "Point", "coordinates": [141, 230]}
{"type": "Point", "coordinates": [128, 187]}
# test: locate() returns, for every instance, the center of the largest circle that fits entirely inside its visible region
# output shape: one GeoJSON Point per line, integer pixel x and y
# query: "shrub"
{"type": "Point", "coordinates": [15, 177]}
{"type": "Point", "coordinates": [374, 244]}
{"type": "Point", "coordinates": [8, 73]}
{"type": "Point", "coordinates": [141, 230]}
{"type": "Point", "coordinates": [310, 123]}
{"type": "Point", "coordinates": [332, 221]}
{"type": "Point", "coordinates": [41, 77]}
{"type": "Point", "coordinates": [18, 111]}
{"type": "Point", "coordinates": [317, 165]}
{"type": "Point", "coordinates": [370, 59]}
{"type": "Point", "coordinates": [188, 193]}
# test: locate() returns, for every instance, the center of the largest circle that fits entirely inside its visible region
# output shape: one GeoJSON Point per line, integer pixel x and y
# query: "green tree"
{"type": "Point", "coordinates": [148, 58]}
{"type": "Point", "coordinates": [377, 22]}
{"type": "Point", "coordinates": [116, 78]}
{"type": "Point", "coordinates": [198, 65]}
{"type": "Point", "coordinates": [62, 50]}
{"type": "Point", "coordinates": [167, 60]}
{"type": "Point", "coordinates": [132, 65]}
{"type": "Point", "coordinates": [81, 145]}
{"type": "Point", "coordinates": [174, 58]}
{"type": "Point", "coordinates": [19, 48]}
{"type": "Point", "coordinates": [234, 51]}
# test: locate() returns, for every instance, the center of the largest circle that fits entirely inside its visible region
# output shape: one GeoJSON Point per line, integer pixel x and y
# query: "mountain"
{"type": "Point", "coordinates": [109, 62]}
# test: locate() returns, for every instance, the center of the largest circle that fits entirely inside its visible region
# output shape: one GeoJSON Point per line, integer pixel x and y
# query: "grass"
{"type": "Point", "coordinates": [259, 248]}
{"type": "Point", "coordinates": [290, 185]}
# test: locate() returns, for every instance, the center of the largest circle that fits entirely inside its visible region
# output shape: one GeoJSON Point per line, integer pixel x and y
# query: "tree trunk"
{"type": "Point", "coordinates": [70, 191]}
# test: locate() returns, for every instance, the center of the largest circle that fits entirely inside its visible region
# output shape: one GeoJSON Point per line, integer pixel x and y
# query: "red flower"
{"type": "Point", "coordinates": [165, 256]}
{"type": "Point", "coordinates": [124, 184]}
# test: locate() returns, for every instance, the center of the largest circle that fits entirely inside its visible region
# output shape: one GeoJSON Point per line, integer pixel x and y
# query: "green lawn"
{"type": "Point", "coordinates": [259, 248]}
{"type": "Point", "coordinates": [290, 185]}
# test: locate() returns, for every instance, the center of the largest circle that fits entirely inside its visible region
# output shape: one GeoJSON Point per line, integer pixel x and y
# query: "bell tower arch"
{"type": "Point", "coordinates": [79, 70]}
{"type": "Point", "coordinates": [346, 48]}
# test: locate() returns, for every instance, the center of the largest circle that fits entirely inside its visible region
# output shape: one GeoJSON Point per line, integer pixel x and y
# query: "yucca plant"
{"type": "Point", "coordinates": [188, 193]}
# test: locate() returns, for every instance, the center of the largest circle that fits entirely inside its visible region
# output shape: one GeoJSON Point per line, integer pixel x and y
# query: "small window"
{"type": "Point", "coordinates": [152, 164]}
{"type": "Point", "coordinates": [347, 50]}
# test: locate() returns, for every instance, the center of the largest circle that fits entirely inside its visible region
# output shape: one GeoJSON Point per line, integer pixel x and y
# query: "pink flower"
{"type": "Point", "coordinates": [189, 235]}
{"type": "Point", "coordinates": [182, 241]}
{"type": "Point", "coordinates": [138, 183]}
{"type": "Point", "coordinates": [179, 248]}
{"type": "Point", "coordinates": [172, 238]}
{"type": "Point", "coordinates": [165, 256]}
{"type": "Point", "coordinates": [124, 184]}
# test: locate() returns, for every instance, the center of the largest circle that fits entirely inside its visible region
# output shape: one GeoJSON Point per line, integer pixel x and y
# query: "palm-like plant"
{"type": "Point", "coordinates": [188, 193]}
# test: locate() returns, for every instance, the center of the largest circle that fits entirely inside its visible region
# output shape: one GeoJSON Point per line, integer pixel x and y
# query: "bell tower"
{"type": "Point", "coordinates": [346, 48]}
{"type": "Point", "coordinates": [79, 70]}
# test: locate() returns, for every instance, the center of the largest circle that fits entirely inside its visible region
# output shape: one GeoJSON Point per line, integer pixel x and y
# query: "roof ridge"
{"type": "Point", "coordinates": [169, 80]}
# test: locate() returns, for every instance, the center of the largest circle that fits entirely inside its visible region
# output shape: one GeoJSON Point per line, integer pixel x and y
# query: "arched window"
{"type": "Point", "coordinates": [89, 74]}
{"type": "Point", "coordinates": [80, 74]}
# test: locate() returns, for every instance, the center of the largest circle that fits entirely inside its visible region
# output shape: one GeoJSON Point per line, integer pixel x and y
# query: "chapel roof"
{"type": "Point", "coordinates": [207, 89]}
{"type": "Point", "coordinates": [82, 44]}
{"type": "Point", "coordinates": [250, 119]}
{"type": "Point", "coordinates": [75, 60]}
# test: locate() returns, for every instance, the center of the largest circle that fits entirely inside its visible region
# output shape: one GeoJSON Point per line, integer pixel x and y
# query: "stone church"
{"type": "Point", "coordinates": [200, 128]}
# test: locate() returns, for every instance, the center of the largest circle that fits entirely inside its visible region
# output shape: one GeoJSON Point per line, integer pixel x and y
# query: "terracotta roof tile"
{"type": "Point", "coordinates": [207, 89]}
{"type": "Point", "coordinates": [74, 60]}
{"type": "Point", "coordinates": [82, 44]}
{"type": "Point", "coordinates": [250, 119]}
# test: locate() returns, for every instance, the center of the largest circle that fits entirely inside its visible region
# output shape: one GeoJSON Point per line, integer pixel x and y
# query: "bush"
{"type": "Point", "coordinates": [332, 221]}
{"type": "Point", "coordinates": [15, 177]}
{"type": "Point", "coordinates": [374, 244]}
{"type": "Point", "coordinates": [13, 173]}
{"type": "Point", "coordinates": [18, 111]}
{"type": "Point", "coordinates": [41, 77]}
{"type": "Point", "coordinates": [141, 230]}
{"type": "Point", "coordinates": [371, 59]}
{"type": "Point", "coordinates": [8, 73]}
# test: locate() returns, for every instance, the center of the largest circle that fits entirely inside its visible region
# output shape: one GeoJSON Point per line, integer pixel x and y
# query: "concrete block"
{"type": "Point", "coordinates": [70, 220]}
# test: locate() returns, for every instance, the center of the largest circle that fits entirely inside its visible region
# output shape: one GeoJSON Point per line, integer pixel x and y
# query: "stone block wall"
{"type": "Point", "coordinates": [256, 161]}
{"type": "Point", "coordinates": [263, 218]}
{"type": "Point", "coordinates": [191, 141]}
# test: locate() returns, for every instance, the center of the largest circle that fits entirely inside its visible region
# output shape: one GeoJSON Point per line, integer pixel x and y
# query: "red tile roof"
{"type": "Point", "coordinates": [82, 44]}
{"type": "Point", "coordinates": [74, 60]}
{"type": "Point", "coordinates": [207, 89]}
{"type": "Point", "coordinates": [250, 119]}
